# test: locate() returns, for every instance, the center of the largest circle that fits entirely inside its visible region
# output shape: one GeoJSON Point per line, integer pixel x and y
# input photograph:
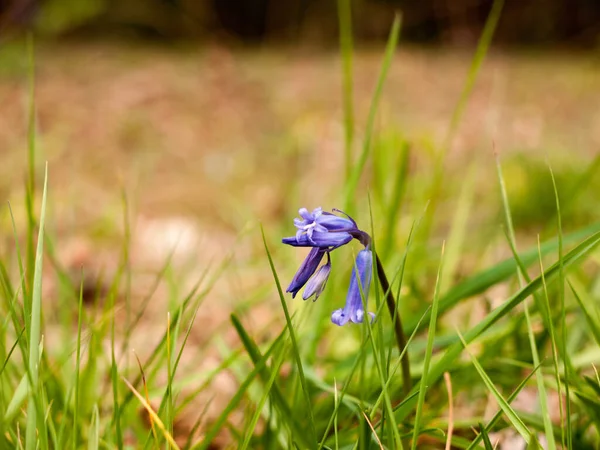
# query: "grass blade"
{"type": "Point", "coordinates": [295, 349]}
{"type": "Point", "coordinates": [359, 166]}
{"type": "Point", "coordinates": [484, 279]}
{"type": "Point", "coordinates": [428, 352]}
{"type": "Point", "coordinates": [561, 299]}
{"type": "Point", "coordinates": [31, 430]}
{"type": "Point", "coordinates": [515, 420]}
{"type": "Point", "coordinates": [571, 258]}
{"type": "Point", "coordinates": [94, 432]}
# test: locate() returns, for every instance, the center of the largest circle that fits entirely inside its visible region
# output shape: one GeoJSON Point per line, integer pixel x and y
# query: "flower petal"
{"type": "Point", "coordinates": [339, 318]}
{"type": "Point", "coordinates": [306, 215]}
{"type": "Point", "coordinates": [306, 270]}
{"type": "Point", "coordinates": [332, 222]}
{"type": "Point", "coordinates": [318, 239]}
{"type": "Point", "coordinates": [316, 284]}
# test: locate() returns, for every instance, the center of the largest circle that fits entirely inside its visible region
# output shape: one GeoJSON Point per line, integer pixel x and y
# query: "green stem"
{"type": "Point", "coordinates": [398, 330]}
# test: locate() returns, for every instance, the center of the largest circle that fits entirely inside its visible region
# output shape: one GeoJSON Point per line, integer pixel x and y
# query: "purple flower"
{"type": "Point", "coordinates": [324, 232]}
{"type": "Point", "coordinates": [331, 240]}
{"type": "Point", "coordinates": [354, 311]}
{"type": "Point", "coordinates": [317, 283]}
{"type": "Point", "coordinates": [314, 228]}
{"type": "Point", "coordinates": [306, 270]}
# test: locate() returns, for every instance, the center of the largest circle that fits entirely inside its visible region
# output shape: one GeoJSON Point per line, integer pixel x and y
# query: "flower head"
{"type": "Point", "coordinates": [361, 273]}
{"type": "Point", "coordinates": [321, 229]}
{"type": "Point", "coordinates": [324, 232]}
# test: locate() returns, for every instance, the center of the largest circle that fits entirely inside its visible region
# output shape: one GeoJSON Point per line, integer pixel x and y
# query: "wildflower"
{"type": "Point", "coordinates": [324, 232]}
{"type": "Point", "coordinates": [354, 311]}
{"type": "Point", "coordinates": [321, 229]}
{"type": "Point", "coordinates": [317, 283]}
{"type": "Point", "coordinates": [306, 270]}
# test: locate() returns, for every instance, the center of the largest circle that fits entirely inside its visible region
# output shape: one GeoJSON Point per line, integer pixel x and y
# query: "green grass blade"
{"type": "Point", "coordinates": [295, 349]}
{"type": "Point", "coordinates": [481, 51]}
{"type": "Point", "coordinates": [498, 415]}
{"type": "Point", "coordinates": [31, 431]}
{"type": "Point", "coordinates": [398, 191]}
{"type": "Point", "coordinates": [458, 229]}
{"type": "Point", "coordinates": [512, 416]}
{"type": "Point", "coordinates": [94, 431]}
{"type": "Point", "coordinates": [358, 168]}
{"type": "Point", "coordinates": [584, 301]}
{"type": "Point", "coordinates": [543, 396]}
{"type": "Point", "coordinates": [277, 396]}
{"type": "Point", "coordinates": [483, 47]}
{"type": "Point", "coordinates": [259, 407]}
{"type": "Point", "coordinates": [561, 297]}
{"type": "Point", "coordinates": [452, 353]}
{"type": "Point", "coordinates": [237, 398]}
{"type": "Point", "coordinates": [487, 278]}
{"type": "Point", "coordinates": [543, 399]}
{"type": "Point", "coordinates": [428, 352]}
{"type": "Point", "coordinates": [78, 364]}
{"type": "Point", "coordinates": [486, 439]}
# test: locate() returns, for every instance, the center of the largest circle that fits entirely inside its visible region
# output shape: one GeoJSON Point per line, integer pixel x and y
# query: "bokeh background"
{"type": "Point", "coordinates": [177, 124]}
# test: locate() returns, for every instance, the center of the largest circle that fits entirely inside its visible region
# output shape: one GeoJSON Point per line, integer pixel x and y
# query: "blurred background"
{"type": "Point", "coordinates": [182, 124]}
{"type": "Point", "coordinates": [540, 22]}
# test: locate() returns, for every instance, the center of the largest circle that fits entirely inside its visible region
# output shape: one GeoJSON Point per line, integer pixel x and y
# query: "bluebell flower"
{"type": "Point", "coordinates": [317, 283]}
{"type": "Point", "coordinates": [354, 311]}
{"type": "Point", "coordinates": [324, 232]}
{"type": "Point", "coordinates": [321, 229]}
{"type": "Point", "coordinates": [306, 270]}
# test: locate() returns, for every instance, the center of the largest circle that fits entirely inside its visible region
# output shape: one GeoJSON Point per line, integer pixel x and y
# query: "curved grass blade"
{"type": "Point", "coordinates": [513, 417]}
{"type": "Point", "coordinates": [452, 353]}
{"type": "Point", "coordinates": [483, 280]}
{"type": "Point", "coordinates": [360, 165]}
{"type": "Point", "coordinates": [276, 395]}
{"type": "Point", "coordinates": [237, 398]}
{"type": "Point", "coordinates": [428, 352]}
{"type": "Point", "coordinates": [295, 349]}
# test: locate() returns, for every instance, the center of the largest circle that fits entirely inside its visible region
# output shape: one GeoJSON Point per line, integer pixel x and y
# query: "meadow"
{"type": "Point", "coordinates": [143, 276]}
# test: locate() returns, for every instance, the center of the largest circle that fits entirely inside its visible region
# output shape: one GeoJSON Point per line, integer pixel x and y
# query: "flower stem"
{"type": "Point", "coordinates": [398, 331]}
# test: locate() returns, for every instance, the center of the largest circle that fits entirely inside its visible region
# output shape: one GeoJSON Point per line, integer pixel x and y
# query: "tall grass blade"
{"type": "Point", "coordinates": [487, 278]}
{"type": "Point", "coordinates": [277, 396]}
{"type": "Point", "coordinates": [31, 431]}
{"type": "Point", "coordinates": [94, 432]}
{"type": "Point", "coordinates": [532, 342]}
{"type": "Point", "coordinates": [237, 398]}
{"type": "Point", "coordinates": [295, 349]}
{"type": "Point", "coordinates": [574, 256]}
{"type": "Point", "coordinates": [358, 168]}
{"type": "Point", "coordinates": [561, 298]}
{"type": "Point", "coordinates": [512, 416]}
{"type": "Point", "coordinates": [428, 352]}
{"type": "Point", "coordinates": [485, 430]}
{"type": "Point", "coordinates": [480, 53]}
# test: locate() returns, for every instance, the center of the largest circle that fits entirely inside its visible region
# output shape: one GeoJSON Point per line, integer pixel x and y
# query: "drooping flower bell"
{"type": "Point", "coordinates": [324, 232]}
{"type": "Point", "coordinates": [306, 270]}
{"type": "Point", "coordinates": [359, 288]}
{"type": "Point", "coordinates": [316, 284]}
